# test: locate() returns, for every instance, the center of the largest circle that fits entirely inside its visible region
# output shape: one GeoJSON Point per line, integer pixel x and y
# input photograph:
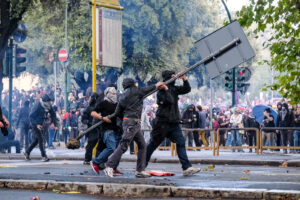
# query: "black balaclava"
{"type": "Point", "coordinates": [279, 104]}
{"type": "Point", "coordinates": [167, 74]}
{"type": "Point", "coordinates": [128, 83]}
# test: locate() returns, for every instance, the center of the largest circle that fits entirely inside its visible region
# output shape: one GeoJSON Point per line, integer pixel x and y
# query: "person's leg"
{"type": "Point", "coordinates": [296, 139]}
{"type": "Point", "coordinates": [233, 139]}
{"type": "Point", "coordinates": [130, 128]}
{"type": "Point", "coordinates": [283, 136]}
{"type": "Point", "coordinates": [291, 140]}
{"type": "Point", "coordinates": [22, 136]}
{"type": "Point", "coordinates": [109, 140]}
{"type": "Point", "coordinates": [190, 138]}
{"type": "Point", "coordinates": [196, 138]}
{"type": "Point", "coordinates": [34, 143]}
{"type": "Point", "coordinates": [177, 137]}
{"type": "Point", "coordinates": [41, 144]}
{"type": "Point", "coordinates": [239, 141]}
{"type": "Point", "coordinates": [51, 135]}
{"type": "Point", "coordinates": [157, 136]}
{"type": "Point", "coordinates": [26, 135]}
{"type": "Point", "coordinates": [142, 151]}
{"type": "Point", "coordinates": [89, 149]}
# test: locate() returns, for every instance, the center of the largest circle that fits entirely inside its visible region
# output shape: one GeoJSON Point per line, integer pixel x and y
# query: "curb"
{"type": "Point", "coordinates": [148, 191]}
{"type": "Point", "coordinates": [291, 163]}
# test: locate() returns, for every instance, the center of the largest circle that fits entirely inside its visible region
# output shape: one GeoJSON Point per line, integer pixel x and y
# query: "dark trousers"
{"type": "Point", "coordinates": [287, 137]}
{"type": "Point", "coordinates": [11, 143]}
{"type": "Point", "coordinates": [131, 131]}
{"type": "Point", "coordinates": [24, 136]}
{"type": "Point", "coordinates": [252, 138]}
{"type": "Point", "coordinates": [196, 138]}
{"type": "Point", "coordinates": [173, 132]}
{"type": "Point", "coordinates": [37, 139]}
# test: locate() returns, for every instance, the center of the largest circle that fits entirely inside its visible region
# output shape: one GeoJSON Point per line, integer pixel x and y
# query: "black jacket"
{"type": "Point", "coordinates": [131, 102]}
{"type": "Point", "coordinates": [287, 121]}
{"type": "Point", "coordinates": [23, 117]}
{"type": "Point", "coordinates": [38, 115]}
{"type": "Point", "coordinates": [167, 101]}
{"type": "Point", "coordinates": [193, 116]}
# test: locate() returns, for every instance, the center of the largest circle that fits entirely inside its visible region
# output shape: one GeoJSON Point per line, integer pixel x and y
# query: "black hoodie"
{"type": "Point", "coordinates": [285, 120]}
{"type": "Point", "coordinates": [167, 101]}
{"type": "Point", "coordinates": [131, 102]}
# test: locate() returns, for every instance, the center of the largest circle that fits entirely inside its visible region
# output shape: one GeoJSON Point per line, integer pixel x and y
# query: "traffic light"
{"type": "Point", "coordinates": [5, 64]}
{"type": "Point", "coordinates": [243, 75]}
{"type": "Point", "coordinates": [229, 80]}
{"type": "Point", "coordinates": [19, 60]}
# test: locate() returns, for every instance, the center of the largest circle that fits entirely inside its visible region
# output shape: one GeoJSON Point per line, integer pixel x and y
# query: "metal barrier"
{"type": "Point", "coordinates": [237, 147]}
{"type": "Point", "coordinates": [213, 145]}
{"type": "Point", "coordinates": [173, 147]}
{"type": "Point", "coordinates": [276, 147]}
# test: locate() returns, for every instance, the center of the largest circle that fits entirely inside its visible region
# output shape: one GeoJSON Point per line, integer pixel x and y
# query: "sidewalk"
{"type": "Point", "coordinates": [202, 157]}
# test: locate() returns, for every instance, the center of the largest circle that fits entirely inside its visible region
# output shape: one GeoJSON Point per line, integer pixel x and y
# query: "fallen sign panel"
{"type": "Point", "coordinates": [229, 59]}
{"type": "Point", "coordinates": [160, 173]}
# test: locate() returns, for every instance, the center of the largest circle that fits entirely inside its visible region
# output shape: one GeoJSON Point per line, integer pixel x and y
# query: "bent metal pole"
{"type": "Point", "coordinates": [207, 59]}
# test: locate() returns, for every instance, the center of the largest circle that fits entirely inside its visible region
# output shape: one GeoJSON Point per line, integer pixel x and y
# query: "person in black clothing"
{"type": "Point", "coordinates": [93, 136]}
{"type": "Point", "coordinates": [38, 115]}
{"type": "Point", "coordinates": [24, 124]}
{"type": "Point", "coordinates": [130, 108]}
{"type": "Point", "coordinates": [167, 124]}
{"type": "Point", "coordinates": [250, 122]}
{"type": "Point", "coordinates": [223, 124]}
{"type": "Point", "coordinates": [190, 119]}
{"type": "Point", "coordinates": [111, 135]}
{"type": "Point", "coordinates": [278, 138]}
{"type": "Point", "coordinates": [297, 124]}
{"type": "Point", "coordinates": [268, 122]}
{"type": "Point", "coordinates": [285, 119]}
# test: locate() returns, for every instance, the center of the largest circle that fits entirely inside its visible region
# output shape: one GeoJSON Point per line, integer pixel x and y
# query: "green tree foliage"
{"type": "Point", "coordinates": [160, 34]}
{"type": "Point", "coordinates": [157, 34]}
{"type": "Point", "coordinates": [282, 19]}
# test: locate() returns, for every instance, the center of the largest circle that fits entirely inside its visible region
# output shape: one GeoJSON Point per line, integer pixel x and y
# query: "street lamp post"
{"type": "Point", "coordinates": [233, 69]}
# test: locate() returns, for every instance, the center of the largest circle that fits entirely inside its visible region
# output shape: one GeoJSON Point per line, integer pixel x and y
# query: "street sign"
{"type": "Point", "coordinates": [20, 33]}
{"type": "Point", "coordinates": [109, 37]}
{"type": "Point", "coordinates": [229, 59]}
{"type": "Point", "coordinates": [62, 55]}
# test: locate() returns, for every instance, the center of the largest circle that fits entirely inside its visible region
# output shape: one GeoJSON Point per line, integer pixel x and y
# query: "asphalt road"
{"type": "Point", "coordinates": [222, 176]}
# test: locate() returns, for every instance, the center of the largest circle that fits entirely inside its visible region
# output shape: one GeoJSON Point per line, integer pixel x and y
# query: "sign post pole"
{"type": "Point", "coordinates": [94, 44]}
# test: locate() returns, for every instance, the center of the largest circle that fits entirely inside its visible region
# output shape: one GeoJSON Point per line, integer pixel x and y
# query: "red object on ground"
{"type": "Point", "coordinates": [160, 173]}
{"type": "Point", "coordinates": [35, 198]}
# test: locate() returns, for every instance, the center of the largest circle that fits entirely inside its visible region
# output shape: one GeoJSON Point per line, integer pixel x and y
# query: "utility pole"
{"type": "Point", "coordinates": [10, 75]}
{"type": "Point", "coordinates": [233, 69]}
{"type": "Point", "coordinates": [65, 66]}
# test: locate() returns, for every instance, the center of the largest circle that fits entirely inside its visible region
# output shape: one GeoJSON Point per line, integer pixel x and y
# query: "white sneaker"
{"type": "Point", "coordinates": [191, 171]}
{"type": "Point", "coordinates": [109, 172]}
{"type": "Point", "coordinates": [142, 174]}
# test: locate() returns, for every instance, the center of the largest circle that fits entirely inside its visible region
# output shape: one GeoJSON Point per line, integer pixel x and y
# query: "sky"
{"type": "Point", "coordinates": [235, 5]}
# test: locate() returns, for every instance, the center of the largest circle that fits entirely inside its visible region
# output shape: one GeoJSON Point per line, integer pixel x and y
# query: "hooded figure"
{"type": "Point", "coordinates": [285, 118]}
{"type": "Point", "coordinates": [37, 117]}
{"type": "Point", "coordinates": [110, 95]}
{"type": "Point", "coordinates": [167, 74]}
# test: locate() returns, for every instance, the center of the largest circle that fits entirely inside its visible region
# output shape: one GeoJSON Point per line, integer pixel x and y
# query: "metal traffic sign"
{"type": "Point", "coordinates": [229, 59]}
{"type": "Point", "coordinates": [62, 55]}
{"type": "Point", "coordinates": [20, 33]}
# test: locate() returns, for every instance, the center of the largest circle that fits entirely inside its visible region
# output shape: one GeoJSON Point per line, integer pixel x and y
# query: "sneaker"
{"type": "Point", "coordinates": [284, 151]}
{"type": "Point", "coordinates": [95, 167]}
{"type": "Point", "coordinates": [117, 173]}
{"type": "Point", "coordinates": [142, 174]}
{"type": "Point", "coordinates": [109, 172]}
{"type": "Point", "coordinates": [191, 171]}
{"type": "Point", "coordinates": [27, 157]}
{"type": "Point", "coordinates": [45, 159]}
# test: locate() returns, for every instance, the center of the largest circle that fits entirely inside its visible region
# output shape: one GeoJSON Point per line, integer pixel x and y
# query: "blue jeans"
{"type": "Point", "coordinates": [296, 139]}
{"type": "Point", "coordinates": [172, 131]}
{"type": "Point", "coordinates": [236, 139]}
{"type": "Point", "coordinates": [51, 136]}
{"type": "Point", "coordinates": [228, 141]}
{"type": "Point", "coordinates": [111, 140]}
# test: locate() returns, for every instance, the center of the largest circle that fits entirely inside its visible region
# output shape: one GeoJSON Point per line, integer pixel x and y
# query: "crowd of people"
{"type": "Point", "coordinates": [60, 124]}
